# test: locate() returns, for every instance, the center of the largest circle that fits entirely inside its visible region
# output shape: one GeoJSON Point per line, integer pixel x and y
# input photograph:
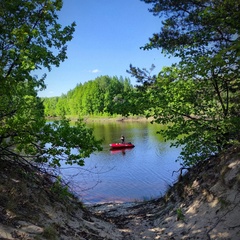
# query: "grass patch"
{"type": "Point", "coordinates": [50, 233]}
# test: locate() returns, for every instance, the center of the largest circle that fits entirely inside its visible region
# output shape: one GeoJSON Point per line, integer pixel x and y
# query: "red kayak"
{"type": "Point", "coordinates": [121, 145]}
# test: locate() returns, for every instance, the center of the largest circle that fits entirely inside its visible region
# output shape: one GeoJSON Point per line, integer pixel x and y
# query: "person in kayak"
{"type": "Point", "coordinates": [122, 139]}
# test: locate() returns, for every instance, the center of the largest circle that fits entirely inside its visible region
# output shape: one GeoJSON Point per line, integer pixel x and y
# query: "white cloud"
{"type": "Point", "coordinates": [95, 71]}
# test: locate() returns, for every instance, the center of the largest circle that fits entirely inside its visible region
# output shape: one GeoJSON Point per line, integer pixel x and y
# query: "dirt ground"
{"type": "Point", "coordinates": [204, 204]}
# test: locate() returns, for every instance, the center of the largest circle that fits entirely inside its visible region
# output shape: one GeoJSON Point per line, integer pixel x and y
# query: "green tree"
{"type": "Point", "coordinates": [198, 97]}
{"type": "Point", "coordinates": [31, 39]}
{"type": "Point", "coordinates": [50, 106]}
{"type": "Point", "coordinates": [104, 95]}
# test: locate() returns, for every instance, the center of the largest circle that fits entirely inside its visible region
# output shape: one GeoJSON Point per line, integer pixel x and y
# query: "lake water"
{"type": "Point", "coordinates": [136, 174]}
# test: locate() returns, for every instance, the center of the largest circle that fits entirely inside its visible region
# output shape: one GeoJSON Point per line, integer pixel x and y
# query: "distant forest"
{"type": "Point", "coordinates": [103, 96]}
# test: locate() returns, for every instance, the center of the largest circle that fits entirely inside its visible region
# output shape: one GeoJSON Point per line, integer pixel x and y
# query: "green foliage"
{"type": "Point", "coordinates": [180, 215]}
{"type": "Point", "coordinates": [192, 28]}
{"type": "Point", "coordinates": [60, 190]}
{"type": "Point", "coordinates": [31, 39]}
{"type": "Point", "coordinates": [50, 233]}
{"type": "Point", "coordinates": [59, 141]}
{"type": "Point", "coordinates": [198, 98]}
{"type": "Point", "coordinates": [104, 95]}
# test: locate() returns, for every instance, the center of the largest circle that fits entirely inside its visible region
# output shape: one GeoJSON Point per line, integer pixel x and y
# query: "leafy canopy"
{"type": "Point", "coordinates": [198, 97]}
{"type": "Point", "coordinates": [103, 96]}
{"type": "Point", "coordinates": [31, 39]}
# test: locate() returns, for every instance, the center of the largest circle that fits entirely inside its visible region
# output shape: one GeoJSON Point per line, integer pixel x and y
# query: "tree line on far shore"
{"type": "Point", "coordinates": [103, 96]}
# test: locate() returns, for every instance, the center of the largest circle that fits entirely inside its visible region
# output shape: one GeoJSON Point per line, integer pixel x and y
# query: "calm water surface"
{"type": "Point", "coordinates": [140, 173]}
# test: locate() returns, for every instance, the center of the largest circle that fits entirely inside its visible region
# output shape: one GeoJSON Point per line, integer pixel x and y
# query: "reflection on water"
{"type": "Point", "coordinates": [122, 175]}
{"type": "Point", "coordinates": [122, 151]}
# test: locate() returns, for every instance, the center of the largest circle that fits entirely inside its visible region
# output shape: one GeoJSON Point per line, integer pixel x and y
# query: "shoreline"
{"type": "Point", "coordinates": [101, 119]}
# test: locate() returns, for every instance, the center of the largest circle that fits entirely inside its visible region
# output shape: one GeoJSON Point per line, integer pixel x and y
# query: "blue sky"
{"type": "Point", "coordinates": [108, 37]}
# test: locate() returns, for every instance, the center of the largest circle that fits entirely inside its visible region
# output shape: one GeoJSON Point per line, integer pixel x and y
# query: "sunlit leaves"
{"type": "Point", "coordinates": [199, 97]}
{"type": "Point", "coordinates": [62, 142]}
{"type": "Point", "coordinates": [194, 111]}
{"type": "Point", "coordinates": [104, 95]}
{"type": "Point", "coordinates": [31, 30]}
{"type": "Point", "coordinates": [31, 38]}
